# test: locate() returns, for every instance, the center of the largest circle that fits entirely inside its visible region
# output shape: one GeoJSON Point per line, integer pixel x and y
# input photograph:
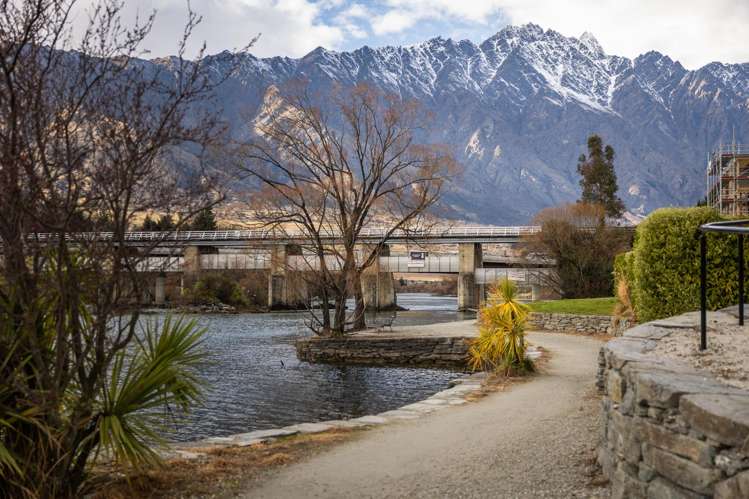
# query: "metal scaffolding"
{"type": "Point", "coordinates": [728, 179]}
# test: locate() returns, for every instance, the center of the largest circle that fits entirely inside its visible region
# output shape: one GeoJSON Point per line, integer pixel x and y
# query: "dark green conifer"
{"type": "Point", "coordinates": [598, 180]}
{"type": "Point", "coordinates": [165, 222]}
{"type": "Point", "coordinates": [204, 220]}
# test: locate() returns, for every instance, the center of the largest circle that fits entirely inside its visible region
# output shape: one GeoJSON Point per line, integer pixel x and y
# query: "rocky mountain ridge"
{"type": "Point", "coordinates": [518, 108]}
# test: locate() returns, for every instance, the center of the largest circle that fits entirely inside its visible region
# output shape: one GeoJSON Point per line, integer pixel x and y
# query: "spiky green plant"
{"type": "Point", "coordinates": [127, 412]}
{"type": "Point", "coordinates": [501, 344]}
{"type": "Point", "coordinates": [159, 373]}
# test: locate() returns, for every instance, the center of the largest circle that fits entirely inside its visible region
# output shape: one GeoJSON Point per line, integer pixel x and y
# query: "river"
{"type": "Point", "coordinates": [254, 380]}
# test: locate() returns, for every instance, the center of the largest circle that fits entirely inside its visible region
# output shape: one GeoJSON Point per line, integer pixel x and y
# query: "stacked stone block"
{"type": "Point", "coordinates": [669, 431]}
{"type": "Point", "coordinates": [572, 323]}
{"type": "Point", "coordinates": [447, 352]}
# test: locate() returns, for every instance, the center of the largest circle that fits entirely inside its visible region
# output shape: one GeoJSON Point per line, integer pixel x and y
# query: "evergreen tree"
{"type": "Point", "coordinates": [149, 224]}
{"type": "Point", "coordinates": [204, 220]}
{"type": "Point", "coordinates": [599, 178]}
{"type": "Point", "coordinates": [165, 222]}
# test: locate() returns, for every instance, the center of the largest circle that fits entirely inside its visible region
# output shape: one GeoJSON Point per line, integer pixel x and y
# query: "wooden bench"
{"type": "Point", "coordinates": [387, 323]}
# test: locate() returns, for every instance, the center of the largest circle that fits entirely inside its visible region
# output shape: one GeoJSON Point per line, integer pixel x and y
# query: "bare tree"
{"type": "Point", "coordinates": [334, 165]}
{"type": "Point", "coordinates": [88, 134]}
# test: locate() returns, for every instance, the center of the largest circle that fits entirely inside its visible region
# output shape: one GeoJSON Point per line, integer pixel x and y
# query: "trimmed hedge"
{"type": "Point", "coordinates": [663, 268]}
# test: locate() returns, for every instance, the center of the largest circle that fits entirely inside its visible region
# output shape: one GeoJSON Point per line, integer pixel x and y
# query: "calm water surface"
{"type": "Point", "coordinates": [255, 381]}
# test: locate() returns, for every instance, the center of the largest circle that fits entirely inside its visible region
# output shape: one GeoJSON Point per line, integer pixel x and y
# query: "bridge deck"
{"type": "Point", "coordinates": [437, 264]}
{"type": "Point", "coordinates": [437, 235]}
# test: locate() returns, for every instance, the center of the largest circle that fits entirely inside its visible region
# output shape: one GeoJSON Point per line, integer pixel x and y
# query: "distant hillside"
{"type": "Point", "coordinates": [518, 108]}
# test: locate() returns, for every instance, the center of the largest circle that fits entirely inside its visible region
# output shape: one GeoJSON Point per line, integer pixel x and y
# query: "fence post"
{"type": "Point", "coordinates": [703, 291]}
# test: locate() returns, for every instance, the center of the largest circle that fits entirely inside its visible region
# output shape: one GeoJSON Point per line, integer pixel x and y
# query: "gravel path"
{"type": "Point", "coordinates": [531, 441]}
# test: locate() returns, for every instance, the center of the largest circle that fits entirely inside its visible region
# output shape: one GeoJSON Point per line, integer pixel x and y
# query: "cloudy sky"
{"type": "Point", "coordinates": [694, 32]}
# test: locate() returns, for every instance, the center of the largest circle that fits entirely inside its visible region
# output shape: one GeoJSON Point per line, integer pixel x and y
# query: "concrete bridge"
{"type": "Point", "coordinates": [286, 263]}
{"type": "Point", "coordinates": [281, 253]}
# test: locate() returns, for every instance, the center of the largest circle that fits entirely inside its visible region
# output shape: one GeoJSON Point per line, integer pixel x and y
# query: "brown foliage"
{"type": "Point", "coordinates": [86, 134]}
{"type": "Point", "coordinates": [222, 472]}
{"type": "Point", "coordinates": [335, 164]}
{"type": "Point", "coordinates": [582, 247]}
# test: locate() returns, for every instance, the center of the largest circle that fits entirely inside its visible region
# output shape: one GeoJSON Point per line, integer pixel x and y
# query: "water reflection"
{"type": "Point", "coordinates": [256, 382]}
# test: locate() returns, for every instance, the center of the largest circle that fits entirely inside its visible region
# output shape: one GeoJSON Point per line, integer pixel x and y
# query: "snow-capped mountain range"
{"type": "Point", "coordinates": [518, 109]}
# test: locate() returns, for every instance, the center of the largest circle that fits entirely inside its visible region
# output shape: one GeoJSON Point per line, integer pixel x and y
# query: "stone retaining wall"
{"type": "Point", "coordinates": [447, 352]}
{"type": "Point", "coordinates": [587, 324]}
{"type": "Point", "coordinates": [670, 431]}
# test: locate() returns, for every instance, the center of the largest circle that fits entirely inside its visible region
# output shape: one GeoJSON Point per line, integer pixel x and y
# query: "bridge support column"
{"type": "Point", "coordinates": [470, 258]}
{"type": "Point", "coordinates": [535, 292]}
{"type": "Point", "coordinates": [378, 287]}
{"type": "Point", "coordinates": [190, 267]}
{"type": "Point", "coordinates": [159, 293]}
{"type": "Point", "coordinates": [287, 287]}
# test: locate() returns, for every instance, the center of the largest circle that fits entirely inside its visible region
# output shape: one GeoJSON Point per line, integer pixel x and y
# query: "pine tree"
{"type": "Point", "coordinates": [204, 220]}
{"type": "Point", "coordinates": [149, 224]}
{"type": "Point", "coordinates": [599, 177]}
{"type": "Point", "coordinates": [165, 222]}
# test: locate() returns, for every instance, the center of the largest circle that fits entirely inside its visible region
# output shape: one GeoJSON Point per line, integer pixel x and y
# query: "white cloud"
{"type": "Point", "coordinates": [402, 14]}
{"type": "Point", "coordinates": [393, 21]}
{"type": "Point", "coordinates": [288, 27]}
{"type": "Point", "coordinates": [351, 20]}
{"type": "Point", "coordinates": [693, 31]}
{"type": "Point", "coordinates": [355, 11]}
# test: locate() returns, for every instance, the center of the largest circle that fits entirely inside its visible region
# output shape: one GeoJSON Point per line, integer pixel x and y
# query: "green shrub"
{"type": "Point", "coordinates": [662, 271]}
{"type": "Point", "coordinates": [218, 288]}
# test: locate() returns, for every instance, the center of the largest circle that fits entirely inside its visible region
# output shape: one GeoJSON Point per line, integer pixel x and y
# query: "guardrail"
{"type": "Point", "coordinates": [438, 264]}
{"type": "Point", "coordinates": [738, 227]}
{"type": "Point", "coordinates": [280, 235]}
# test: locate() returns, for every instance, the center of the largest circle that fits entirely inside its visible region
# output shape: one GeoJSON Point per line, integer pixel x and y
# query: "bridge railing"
{"type": "Point", "coordinates": [368, 233]}
{"type": "Point", "coordinates": [525, 275]}
{"type": "Point", "coordinates": [438, 264]}
{"type": "Point", "coordinates": [235, 261]}
{"type": "Point", "coordinates": [160, 264]}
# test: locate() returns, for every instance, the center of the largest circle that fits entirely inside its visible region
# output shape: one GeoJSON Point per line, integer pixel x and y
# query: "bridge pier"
{"type": "Point", "coordinates": [159, 292]}
{"type": "Point", "coordinates": [535, 292]}
{"type": "Point", "coordinates": [190, 266]}
{"type": "Point", "coordinates": [378, 287]}
{"type": "Point", "coordinates": [287, 287]}
{"type": "Point", "coordinates": [470, 258]}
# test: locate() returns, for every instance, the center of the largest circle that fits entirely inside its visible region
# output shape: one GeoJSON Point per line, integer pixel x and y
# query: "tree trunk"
{"type": "Point", "coordinates": [325, 309]}
{"type": "Point", "coordinates": [339, 319]}
{"type": "Point", "coordinates": [324, 305]}
{"type": "Point", "coordinates": [359, 317]}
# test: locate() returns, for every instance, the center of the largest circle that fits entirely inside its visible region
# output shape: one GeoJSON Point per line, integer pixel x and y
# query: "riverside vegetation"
{"type": "Point", "coordinates": [660, 276]}
{"type": "Point", "coordinates": [83, 148]}
{"type": "Point", "coordinates": [501, 344]}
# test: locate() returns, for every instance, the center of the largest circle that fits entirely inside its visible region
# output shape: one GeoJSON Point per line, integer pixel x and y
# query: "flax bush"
{"type": "Point", "coordinates": [501, 343]}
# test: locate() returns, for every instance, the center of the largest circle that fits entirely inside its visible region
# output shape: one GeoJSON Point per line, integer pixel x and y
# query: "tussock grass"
{"type": "Point", "coordinates": [222, 472]}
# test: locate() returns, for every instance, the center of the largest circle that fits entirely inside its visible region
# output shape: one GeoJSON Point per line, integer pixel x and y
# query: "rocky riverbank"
{"type": "Point", "coordinates": [436, 345]}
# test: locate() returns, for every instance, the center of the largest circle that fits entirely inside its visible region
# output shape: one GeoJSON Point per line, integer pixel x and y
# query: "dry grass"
{"type": "Point", "coordinates": [220, 472]}
{"type": "Point", "coordinates": [498, 382]}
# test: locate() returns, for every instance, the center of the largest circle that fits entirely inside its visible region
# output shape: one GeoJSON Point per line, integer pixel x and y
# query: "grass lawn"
{"type": "Point", "coordinates": [582, 306]}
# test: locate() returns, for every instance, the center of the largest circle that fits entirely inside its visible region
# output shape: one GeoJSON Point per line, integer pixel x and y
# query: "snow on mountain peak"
{"type": "Point", "coordinates": [591, 42]}
{"type": "Point", "coordinates": [518, 107]}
